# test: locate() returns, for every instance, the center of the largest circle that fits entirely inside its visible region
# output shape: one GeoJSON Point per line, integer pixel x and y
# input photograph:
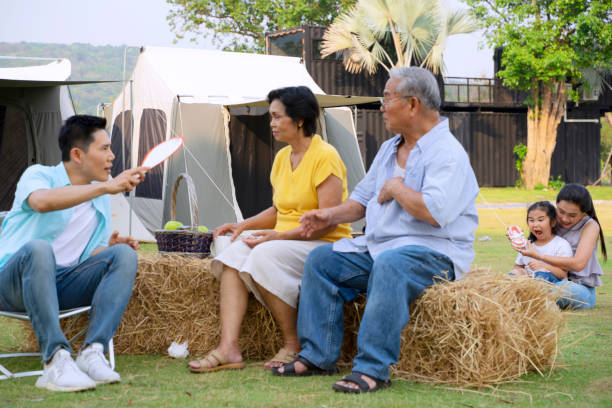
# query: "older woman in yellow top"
{"type": "Point", "coordinates": [307, 174]}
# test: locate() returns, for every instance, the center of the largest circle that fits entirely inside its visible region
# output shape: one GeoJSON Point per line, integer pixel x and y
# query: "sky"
{"type": "Point", "coordinates": [143, 22]}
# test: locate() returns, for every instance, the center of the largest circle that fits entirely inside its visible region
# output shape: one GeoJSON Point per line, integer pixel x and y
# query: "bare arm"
{"type": "Point", "coordinates": [316, 220]}
{"type": "Point", "coordinates": [60, 198]}
{"type": "Point", "coordinates": [543, 266]}
{"type": "Point", "coordinates": [586, 245]}
{"type": "Point", "coordinates": [116, 239]}
{"type": "Point", "coordinates": [409, 199]}
{"type": "Point", "coordinates": [519, 270]}
{"type": "Point", "coordinates": [329, 194]}
{"type": "Point", "coordinates": [264, 220]}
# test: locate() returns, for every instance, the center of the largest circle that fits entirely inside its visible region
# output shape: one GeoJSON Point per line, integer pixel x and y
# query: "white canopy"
{"type": "Point", "coordinates": [206, 97]}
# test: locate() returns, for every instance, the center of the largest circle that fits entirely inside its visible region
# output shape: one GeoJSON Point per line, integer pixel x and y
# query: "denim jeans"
{"type": "Point", "coordinates": [31, 282]}
{"type": "Point", "coordinates": [575, 296]}
{"type": "Point", "coordinates": [391, 282]}
{"type": "Point", "coordinates": [546, 276]}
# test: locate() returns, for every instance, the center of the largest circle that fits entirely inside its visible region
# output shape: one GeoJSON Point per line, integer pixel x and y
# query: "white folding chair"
{"type": "Point", "coordinates": [6, 374]}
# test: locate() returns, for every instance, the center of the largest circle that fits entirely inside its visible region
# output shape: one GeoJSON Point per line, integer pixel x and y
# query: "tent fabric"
{"type": "Point", "coordinates": [58, 70]}
{"type": "Point", "coordinates": [325, 101]}
{"type": "Point", "coordinates": [13, 152]}
{"type": "Point", "coordinates": [204, 158]}
{"type": "Point", "coordinates": [217, 102]}
{"type": "Point", "coordinates": [30, 117]}
{"type": "Point", "coordinates": [34, 101]}
{"type": "Point", "coordinates": [17, 83]}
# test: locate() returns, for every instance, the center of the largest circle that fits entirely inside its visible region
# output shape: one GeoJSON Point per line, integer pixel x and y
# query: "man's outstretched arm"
{"type": "Point", "coordinates": [60, 198]}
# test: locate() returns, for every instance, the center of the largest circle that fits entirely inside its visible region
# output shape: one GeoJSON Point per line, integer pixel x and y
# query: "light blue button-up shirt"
{"type": "Point", "coordinates": [23, 224]}
{"type": "Point", "coordinates": [439, 168]}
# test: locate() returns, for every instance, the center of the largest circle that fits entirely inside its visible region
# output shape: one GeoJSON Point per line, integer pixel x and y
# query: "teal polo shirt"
{"type": "Point", "coordinates": [23, 224]}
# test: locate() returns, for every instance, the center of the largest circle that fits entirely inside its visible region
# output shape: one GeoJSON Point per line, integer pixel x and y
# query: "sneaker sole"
{"type": "Point", "coordinates": [107, 382]}
{"type": "Point", "coordinates": [54, 387]}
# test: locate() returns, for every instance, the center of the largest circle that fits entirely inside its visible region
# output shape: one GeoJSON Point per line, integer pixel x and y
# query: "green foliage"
{"type": "Point", "coordinates": [240, 25]}
{"type": "Point", "coordinates": [547, 42]}
{"type": "Point", "coordinates": [557, 184]}
{"type": "Point", "coordinates": [606, 140]}
{"type": "Point", "coordinates": [88, 63]}
{"type": "Point", "coordinates": [520, 150]}
{"type": "Point", "coordinates": [395, 33]}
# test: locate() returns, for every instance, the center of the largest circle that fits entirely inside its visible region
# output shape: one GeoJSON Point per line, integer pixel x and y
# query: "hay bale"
{"type": "Point", "coordinates": [176, 298]}
{"type": "Point", "coordinates": [483, 329]}
{"type": "Point", "coordinates": [486, 328]}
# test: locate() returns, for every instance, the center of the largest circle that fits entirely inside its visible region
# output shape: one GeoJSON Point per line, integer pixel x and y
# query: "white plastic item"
{"type": "Point", "coordinates": [220, 243]}
{"type": "Point", "coordinates": [177, 350]}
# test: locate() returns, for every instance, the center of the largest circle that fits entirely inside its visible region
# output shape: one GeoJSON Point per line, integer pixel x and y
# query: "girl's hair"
{"type": "Point", "coordinates": [551, 213]}
{"type": "Point", "coordinates": [579, 195]}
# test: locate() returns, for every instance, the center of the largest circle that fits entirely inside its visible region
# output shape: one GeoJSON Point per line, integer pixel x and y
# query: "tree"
{"type": "Point", "coordinates": [240, 25]}
{"type": "Point", "coordinates": [546, 45]}
{"type": "Point", "coordinates": [391, 33]}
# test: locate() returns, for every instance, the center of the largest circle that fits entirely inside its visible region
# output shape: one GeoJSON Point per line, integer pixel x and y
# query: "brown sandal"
{"type": "Point", "coordinates": [283, 356]}
{"type": "Point", "coordinates": [215, 362]}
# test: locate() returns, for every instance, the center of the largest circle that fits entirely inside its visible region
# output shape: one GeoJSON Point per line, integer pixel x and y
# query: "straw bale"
{"type": "Point", "coordinates": [483, 329]}
{"type": "Point", "coordinates": [176, 298]}
{"type": "Point", "coordinates": [486, 328]}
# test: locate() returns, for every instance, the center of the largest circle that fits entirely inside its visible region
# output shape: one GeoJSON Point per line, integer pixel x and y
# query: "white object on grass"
{"type": "Point", "coordinates": [177, 350]}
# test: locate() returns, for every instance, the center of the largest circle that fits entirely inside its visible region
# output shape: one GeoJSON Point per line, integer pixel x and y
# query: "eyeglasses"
{"type": "Point", "coordinates": [385, 101]}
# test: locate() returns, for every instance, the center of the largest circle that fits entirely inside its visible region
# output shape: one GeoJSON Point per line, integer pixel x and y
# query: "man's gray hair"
{"type": "Point", "coordinates": [418, 82]}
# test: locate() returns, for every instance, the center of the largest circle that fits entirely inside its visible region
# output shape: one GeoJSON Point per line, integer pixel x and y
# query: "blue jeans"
{"type": "Point", "coordinates": [546, 276]}
{"type": "Point", "coordinates": [575, 296]}
{"type": "Point", "coordinates": [31, 282]}
{"type": "Point", "coordinates": [391, 282]}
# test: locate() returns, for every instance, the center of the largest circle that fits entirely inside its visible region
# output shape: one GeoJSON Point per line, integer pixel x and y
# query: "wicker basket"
{"type": "Point", "coordinates": [192, 241]}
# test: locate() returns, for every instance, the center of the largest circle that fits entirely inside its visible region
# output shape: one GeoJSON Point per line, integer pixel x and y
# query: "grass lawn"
{"type": "Point", "coordinates": [520, 195]}
{"type": "Point", "coordinates": [583, 377]}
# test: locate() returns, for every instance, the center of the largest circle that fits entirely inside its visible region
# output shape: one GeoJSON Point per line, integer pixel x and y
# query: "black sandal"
{"type": "Point", "coordinates": [311, 369]}
{"type": "Point", "coordinates": [355, 378]}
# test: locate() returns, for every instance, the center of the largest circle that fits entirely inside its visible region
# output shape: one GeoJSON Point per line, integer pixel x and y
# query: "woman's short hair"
{"type": "Point", "coordinates": [418, 82]}
{"type": "Point", "coordinates": [300, 105]}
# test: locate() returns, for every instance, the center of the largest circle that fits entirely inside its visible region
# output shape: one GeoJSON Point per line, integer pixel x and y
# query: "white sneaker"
{"type": "Point", "coordinates": [62, 374]}
{"type": "Point", "coordinates": [92, 362]}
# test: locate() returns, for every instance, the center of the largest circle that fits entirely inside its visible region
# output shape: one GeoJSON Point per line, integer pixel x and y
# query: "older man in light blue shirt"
{"type": "Point", "coordinates": [418, 199]}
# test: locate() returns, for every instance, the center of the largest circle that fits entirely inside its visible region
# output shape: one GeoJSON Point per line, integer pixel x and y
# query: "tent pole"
{"type": "Point", "coordinates": [133, 192]}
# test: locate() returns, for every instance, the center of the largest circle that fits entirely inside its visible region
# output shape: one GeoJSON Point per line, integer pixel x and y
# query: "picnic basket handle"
{"type": "Point", "coordinates": [193, 199]}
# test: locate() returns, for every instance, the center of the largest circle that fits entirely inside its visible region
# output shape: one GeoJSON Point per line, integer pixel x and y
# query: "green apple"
{"type": "Point", "coordinates": [173, 225]}
{"type": "Point", "coordinates": [202, 228]}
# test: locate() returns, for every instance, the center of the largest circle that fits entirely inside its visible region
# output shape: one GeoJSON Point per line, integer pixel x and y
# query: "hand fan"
{"type": "Point", "coordinates": [162, 152]}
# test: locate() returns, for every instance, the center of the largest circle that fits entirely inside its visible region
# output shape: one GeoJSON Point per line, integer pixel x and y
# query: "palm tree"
{"type": "Point", "coordinates": [393, 33]}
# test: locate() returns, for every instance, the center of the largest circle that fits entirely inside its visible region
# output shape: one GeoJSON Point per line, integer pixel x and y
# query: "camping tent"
{"type": "Point", "coordinates": [30, 118]}
{"type": "Point", "coordinates": [216, 101]}
{"type": "Point", "coordinates": [34, 101]}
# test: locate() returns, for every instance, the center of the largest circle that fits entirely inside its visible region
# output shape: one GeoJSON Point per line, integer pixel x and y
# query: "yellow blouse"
{"type": "Point", "coordinates": [295, 192]}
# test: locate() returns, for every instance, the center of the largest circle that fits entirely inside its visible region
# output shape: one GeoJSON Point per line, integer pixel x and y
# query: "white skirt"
{"type": "Point", "coordinates": [275, 265]}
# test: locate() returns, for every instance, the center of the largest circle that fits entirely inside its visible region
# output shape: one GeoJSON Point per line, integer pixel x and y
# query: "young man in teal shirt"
{"type": "Point", "coordinates": [57, 252]}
